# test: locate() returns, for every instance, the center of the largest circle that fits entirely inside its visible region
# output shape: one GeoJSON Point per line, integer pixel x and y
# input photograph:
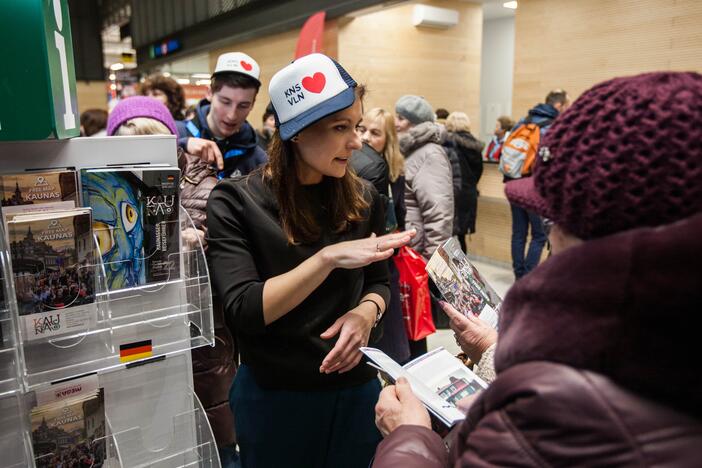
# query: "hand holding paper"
{"type": "Point", "coordinates": [473, 335]}
{"type": "Point", "coordinates": [397, 406]}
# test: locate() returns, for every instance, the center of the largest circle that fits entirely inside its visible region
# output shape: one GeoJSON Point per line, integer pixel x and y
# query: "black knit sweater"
{"type": "Point", "coordinates": [247, 246]}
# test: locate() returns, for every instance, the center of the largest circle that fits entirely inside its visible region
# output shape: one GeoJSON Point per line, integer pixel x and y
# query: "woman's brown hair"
{"type": "Point", "coordinates": [173, 91]}
{"type": "Point", "coordinates": [345, 205]}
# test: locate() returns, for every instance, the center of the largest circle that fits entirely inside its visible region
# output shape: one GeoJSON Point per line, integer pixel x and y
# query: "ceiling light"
{"type": "Point", "coordinates": [166, 74]}
{"type": "Point", "coordinates": [113, 76]}
{"type": "Point", "coordinates": [202, 82]}
{"type": "Point", "coordinates": [511, 5]}
{"type": "Point", "coordinates": [117, 66]}
{"type": "Point", "coordinates": [113, 86]}
{"type": "Point", "coordinates": [201, 75]}
{"type": "Point", "coordinates": [183, 81]}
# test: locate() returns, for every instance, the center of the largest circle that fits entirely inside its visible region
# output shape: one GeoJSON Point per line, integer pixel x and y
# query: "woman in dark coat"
{"type": "Point", "coordinates": [597, 352]}
{"type": "Point", "coordinates": [468, 151]}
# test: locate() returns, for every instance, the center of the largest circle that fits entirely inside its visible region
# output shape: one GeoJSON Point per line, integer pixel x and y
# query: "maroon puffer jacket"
{"type": "Point", "coordinates": [196, 182]}
{"type": "Point", "coordinates": [214, 368]}
{"type": "Point", "coordinates": [597, 363]}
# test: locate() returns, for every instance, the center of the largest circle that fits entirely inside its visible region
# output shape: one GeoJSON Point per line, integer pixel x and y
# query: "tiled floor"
{"type": "Point", "coordinates": [499, 277]}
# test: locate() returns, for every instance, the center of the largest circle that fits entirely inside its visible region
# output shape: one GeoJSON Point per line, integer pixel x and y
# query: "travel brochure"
{"type": "Point", "coordinates": [135, 220]}
{"type": "Point", "coordinates": [52, 265]}
{"type": "Point", "coordinates": [68, 425]}
{"type": "Point", "coordinates": [461, 284]}
{"type": "Point", "coordinates": [437, 378]}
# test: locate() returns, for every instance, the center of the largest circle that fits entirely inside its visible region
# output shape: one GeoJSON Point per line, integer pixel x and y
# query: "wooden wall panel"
{"type": "Point", "coordinates": [493, 232]}
{"type": "Point", "coordinates": [391, 57]}
{"type": "Point", "coordinates": [91, 95]}
{"type": "Point", "coordinates": [574, 44]}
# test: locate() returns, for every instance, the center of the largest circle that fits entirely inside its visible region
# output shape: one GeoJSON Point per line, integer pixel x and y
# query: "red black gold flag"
{"type": "Point", "coordinates": [135, 351]}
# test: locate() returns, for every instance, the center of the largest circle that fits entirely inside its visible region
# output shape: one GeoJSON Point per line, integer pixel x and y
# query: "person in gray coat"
{"type": "Point", "coordinates": [428, 176]}
{"type": "Point", "coordinates": [428, 187]}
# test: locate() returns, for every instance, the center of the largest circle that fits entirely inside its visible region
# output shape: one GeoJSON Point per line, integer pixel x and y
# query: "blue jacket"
{"type": "Point", "coordinates": [539, 114]}
{"type": "Point", "coordinates": [241, 151]}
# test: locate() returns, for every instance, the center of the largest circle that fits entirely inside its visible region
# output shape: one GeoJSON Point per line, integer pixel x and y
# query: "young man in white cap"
{"type": "Point", "coordinates": [219, 133]}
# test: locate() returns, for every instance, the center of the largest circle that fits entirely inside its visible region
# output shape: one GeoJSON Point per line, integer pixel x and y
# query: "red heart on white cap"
{"type": "Point", "coordinates": [246, 65]}
{"type": "Point", "coordinates": [315, 83]}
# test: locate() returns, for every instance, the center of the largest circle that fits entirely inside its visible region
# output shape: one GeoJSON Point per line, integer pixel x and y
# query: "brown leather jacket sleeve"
{"type": "Point", "coordinates": [409, 447]}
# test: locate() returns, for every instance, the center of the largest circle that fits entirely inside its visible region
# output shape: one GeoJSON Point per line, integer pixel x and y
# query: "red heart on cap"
{"type": "Point", "coordinates": [246, 65]}
{"type": "Point", "coordinates": [315, 83]}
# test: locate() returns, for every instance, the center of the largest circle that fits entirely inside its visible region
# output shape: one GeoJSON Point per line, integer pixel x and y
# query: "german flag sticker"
{"type": "Point", "coordinates": [134, 351]}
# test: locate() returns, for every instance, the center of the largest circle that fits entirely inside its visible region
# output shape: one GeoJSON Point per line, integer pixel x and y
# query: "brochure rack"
{"type": "Point", "coordinates": [174, 315]}
{"type": "Point", "coordinates": [153, 417]}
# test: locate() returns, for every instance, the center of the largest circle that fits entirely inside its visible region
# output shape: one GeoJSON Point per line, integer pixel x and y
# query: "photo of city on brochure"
{"type": "Point", "coordinates": [461, 284]}
{"type": "Point", "coordinates": [438, 379]}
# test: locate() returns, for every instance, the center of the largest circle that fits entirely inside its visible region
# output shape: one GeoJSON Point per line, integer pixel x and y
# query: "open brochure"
{"type": "Point", "coordinates": [461, 284]}
{"type": "Point", "coordinates": [437, 378]}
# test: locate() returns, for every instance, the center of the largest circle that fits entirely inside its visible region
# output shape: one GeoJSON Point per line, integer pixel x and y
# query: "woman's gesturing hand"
{"type": "Point", "coordinates": [473, 335]}
{"type": "Point", "coordinates": [363, 252]}
{"type": "Point", "coordinates": [354, 329]}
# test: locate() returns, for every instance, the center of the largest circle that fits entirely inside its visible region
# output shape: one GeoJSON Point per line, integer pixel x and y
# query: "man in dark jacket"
{"type": "Point", "coordinates": [219, 134]}
{"type": "Point", "coordinates": [542, 115]}
{"type": "Point", "coordinates": [598, 347]}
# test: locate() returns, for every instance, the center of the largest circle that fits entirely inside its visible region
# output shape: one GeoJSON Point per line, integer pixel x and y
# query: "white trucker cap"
{"type": "Point", "coordinates": [238, 62]}
{"type": "Point", "coordinates": [309, 89]}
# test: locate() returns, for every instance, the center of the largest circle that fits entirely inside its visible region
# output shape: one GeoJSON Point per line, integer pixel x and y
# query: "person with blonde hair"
{"type": "Point", "coordinates": [377, 130]}
{"type": "Point", "coordinates": [462, 146]}
{"type": "Point", "coordinates": [213, 369]}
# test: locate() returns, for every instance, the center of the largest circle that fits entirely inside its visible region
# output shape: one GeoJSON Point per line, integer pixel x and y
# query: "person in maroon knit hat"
{"type": "Point", "coordinates": [598, 350]}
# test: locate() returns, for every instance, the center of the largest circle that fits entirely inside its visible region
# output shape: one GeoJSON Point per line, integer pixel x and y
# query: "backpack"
{"type": "Point", "coordinates": [519, 149]}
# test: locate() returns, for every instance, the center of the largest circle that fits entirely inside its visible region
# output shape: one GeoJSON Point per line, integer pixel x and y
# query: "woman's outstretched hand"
{"type": "Point", "coordinates": [363, 252]}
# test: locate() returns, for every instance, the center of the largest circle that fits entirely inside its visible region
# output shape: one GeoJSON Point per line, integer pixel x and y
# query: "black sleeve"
{"type": "Point", "coordinates": [398, 195]}
{"type": "Point", "coordinates": [475, 160]}
{"type": "Point", "coordinates": [376, 276]}
{"type": "Point", "coordinates": [233, 271]}
{"type": "Point", "coordinates": [376, 173]}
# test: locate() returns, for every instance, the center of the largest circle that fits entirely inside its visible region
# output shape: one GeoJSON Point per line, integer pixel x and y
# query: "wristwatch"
{"type": "Point", "coordinates": [378, 311]}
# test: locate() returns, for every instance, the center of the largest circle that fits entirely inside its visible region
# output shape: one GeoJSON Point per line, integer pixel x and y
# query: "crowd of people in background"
{"type": "Point", "coordinates": [302, 272]}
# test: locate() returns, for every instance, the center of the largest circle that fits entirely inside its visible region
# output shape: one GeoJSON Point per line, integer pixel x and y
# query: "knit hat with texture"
{"type": "Point", "coordinates": [139, 106]}
{"type": "Point", "coordinates": [416, 109]}
{"type": "Point", "coordinates": [626, 154]}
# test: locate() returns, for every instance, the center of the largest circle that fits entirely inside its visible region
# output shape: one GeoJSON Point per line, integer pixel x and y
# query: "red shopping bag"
{"type": "Point", "coordinates": [414, 291]}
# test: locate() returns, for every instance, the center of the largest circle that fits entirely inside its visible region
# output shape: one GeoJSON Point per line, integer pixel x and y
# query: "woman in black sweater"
{"type": "Point", "coordinates": [295, 257]}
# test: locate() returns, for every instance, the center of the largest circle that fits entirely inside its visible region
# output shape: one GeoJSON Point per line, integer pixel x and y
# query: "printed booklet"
{"type": "Point", "coordinates": [437, 378]}
{"type": "Point", "coordinates": [68, 425]}
{"type": "Point", "coordinates": [461, 284]}
{"type": "Point", "coordinates": [135, 219]}
{"type": "Point", "coordinates": [52, 264]}
{"type": "Point", "coordinates": [34, 191]}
